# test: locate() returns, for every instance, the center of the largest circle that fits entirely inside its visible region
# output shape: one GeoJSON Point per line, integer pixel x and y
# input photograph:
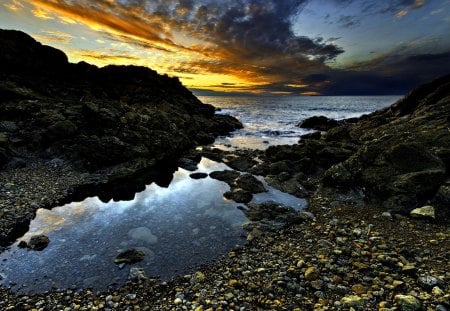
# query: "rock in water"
{"type": "Point", "coordinates": [38, 242]}
{"type": "Point", "coordinates": [198, 175]}
{"type": "Point", "coordinates": [137, 274]}
{"type": "Point", "coordinates": [129, 256]}
{"type": "Point", "coordinates": [423, 212]}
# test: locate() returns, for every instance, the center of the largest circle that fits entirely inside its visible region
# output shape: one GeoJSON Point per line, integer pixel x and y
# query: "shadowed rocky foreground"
{"type": "Point", "coordinates": [375, 235]}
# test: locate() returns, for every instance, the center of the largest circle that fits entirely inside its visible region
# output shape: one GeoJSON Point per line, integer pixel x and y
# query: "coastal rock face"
{"type": "Point", "coordinates": [115, 119]}
{"type": "Point", "coordinates": [397, 157]}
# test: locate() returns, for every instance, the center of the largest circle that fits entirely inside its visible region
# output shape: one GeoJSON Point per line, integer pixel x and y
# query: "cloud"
{"type": "Point", "coordinates": [14, 5]}
{"type": "Point", "coordinates": [250, 40]}
{"type": "Point", "coordinates": [54, 37]}
{"type": "Point", "coordinates": [106, 57]}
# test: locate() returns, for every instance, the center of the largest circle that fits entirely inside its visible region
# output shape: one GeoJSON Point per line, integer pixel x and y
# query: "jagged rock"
{"type": "Point", "coordinates": [249, 183]}
{"type": "Point", "coordinates": [271, 211]}
{"type": "Point", "coordinates": [97, 118]}
{"type": "Point", "coordinates": [238, 195]}
{"type": "Point", "coordinates": [38, 242]}
{"type": "Point", "coordinates": [129, 256]}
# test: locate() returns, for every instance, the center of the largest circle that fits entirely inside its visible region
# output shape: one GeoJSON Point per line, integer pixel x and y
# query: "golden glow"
{"type": "Point", "coordinates": [15, 5]}
{"type": "Point", "coordinates": [310, 93]}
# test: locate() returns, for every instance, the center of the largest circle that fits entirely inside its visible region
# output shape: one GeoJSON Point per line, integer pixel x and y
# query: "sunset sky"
{"type": "Point", "coordinates": [329, 47]}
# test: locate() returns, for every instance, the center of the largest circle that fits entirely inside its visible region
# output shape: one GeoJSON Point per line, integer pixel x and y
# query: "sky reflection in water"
{"type": "Point", "coordinates": [179, 228]}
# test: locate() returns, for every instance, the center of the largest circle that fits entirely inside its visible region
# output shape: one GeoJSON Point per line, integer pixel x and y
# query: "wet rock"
{"type": "Point", "coordinates": [38, 242]}
{"type": "Point", "coordinates": [249, 183]}
{"type": "Point", "coordinates": [137, 274]}
{"type": "Point", "coordinates": [423, 212]}
{"type": "Point", "coordinates": [407, 302]}
{"type": "Point", "coordinates": [241, 163]}
{"type": "Point", "coordinates": [227, 176]}
{"type": "Point", "coordinates": [198, 175]}
{"type": "Point", "coordinates": [238, 196]}
{"type": "Point", "coordinates": [320, 123]}
{"type": "Point", "coordinates": [129, 256]}
{"type": "Point", "coordinates": [273, 212]}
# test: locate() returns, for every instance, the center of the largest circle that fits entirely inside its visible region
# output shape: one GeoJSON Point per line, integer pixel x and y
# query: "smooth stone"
{"type": "Point", "coordinates": [198, 175]}
{"type": "Point", "coordinates": [407, 302]}
{"type": "Point", "coordinates": [427, 281]}
{"type": "Point", "coordinates": [143, 234]}
{"type": "Point", "coordinates": [311, 274]}
{"type": "Point", "coordinates": [352, 302]}
{"type": "Point", "coordinates": [423, 212]}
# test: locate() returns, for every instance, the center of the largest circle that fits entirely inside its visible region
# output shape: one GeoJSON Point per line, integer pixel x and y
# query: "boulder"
{"type": "Point", "coordinates": [249, 183]}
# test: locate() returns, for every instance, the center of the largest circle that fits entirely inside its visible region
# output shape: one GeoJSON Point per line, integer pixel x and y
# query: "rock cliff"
{"type": "Point", "coordinates": [114, 120]}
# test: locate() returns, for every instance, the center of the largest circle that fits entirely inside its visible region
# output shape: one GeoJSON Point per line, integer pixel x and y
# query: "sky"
{"type": "Point", "coordinates": [282, 47]}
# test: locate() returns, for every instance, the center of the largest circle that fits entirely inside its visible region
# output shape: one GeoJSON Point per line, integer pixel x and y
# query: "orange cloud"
{"type": "Point", "coordinates": [113, 18]}
{"type": "Point", "coordinates": [14, 5]}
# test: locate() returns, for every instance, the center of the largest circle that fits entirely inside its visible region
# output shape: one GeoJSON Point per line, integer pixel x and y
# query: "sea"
{"type": "Point", "coordinates": [273, 120]}
{"type": "Point", "coordinates": [179, 228]}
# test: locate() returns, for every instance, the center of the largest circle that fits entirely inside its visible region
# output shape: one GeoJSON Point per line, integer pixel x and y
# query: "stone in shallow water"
{"type": "Point", "coordinates": [137, 274]}
{"type": "Point", "coordinates": [130, 256]}
{"type": "Point", "coordinates": [143, 234]}
{"type": "Point", "coordinates": [198, 175]}
{"type": "Point", "coordinates": [38, 242]}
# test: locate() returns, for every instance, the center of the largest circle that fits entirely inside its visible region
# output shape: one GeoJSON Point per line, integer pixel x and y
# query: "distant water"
{"type": "Point", "coordinates": [272, 120]}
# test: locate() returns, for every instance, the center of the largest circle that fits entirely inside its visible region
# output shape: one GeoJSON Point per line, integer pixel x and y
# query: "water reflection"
{"type": "Point", "coordinates": [179, 227]}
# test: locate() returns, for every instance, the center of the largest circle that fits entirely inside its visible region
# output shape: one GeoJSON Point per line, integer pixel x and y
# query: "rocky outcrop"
{"type": "Point", "coordinates": [113, 120]}
{"type": "Point", "coordinates": [320, 123]}
{"type": "Point", "coordinates": [398, 157]}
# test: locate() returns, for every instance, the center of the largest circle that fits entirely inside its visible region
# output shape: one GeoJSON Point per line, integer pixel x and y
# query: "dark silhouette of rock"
{"type": "Point", "coordinates": [198, 175]}
{"type": "Point", "coordinates": [38, 242]}
{"type": "Point", "coordinates": [106, 119]}
{"type": "Point", "coordinates": [397, 157]}
{"type": "Point", "coordinates": [320, 123]}
{"type": "Point", "coordinates": [129, 256]}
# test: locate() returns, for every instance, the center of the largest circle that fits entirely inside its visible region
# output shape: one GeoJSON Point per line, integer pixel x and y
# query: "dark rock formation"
{"type": "Point", "coordinates": [398, 157]}
{"type": "Point", "coordinates": [320, 123]}
{"type": "Point", "coordinates": [38, 242]}
{"type": "Point", "coordinates": [226, 176]}
{"type": "Point", "coordinates": [115, 119]}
